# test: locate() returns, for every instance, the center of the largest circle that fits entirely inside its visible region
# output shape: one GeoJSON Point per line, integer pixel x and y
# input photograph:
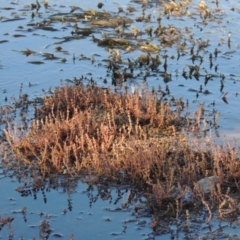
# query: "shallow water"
{"type": "Point", "coordinates": [69, 211]}
{"type": "Point", "coordinates": [102, 219]}
{"type": "Point", "coordinates": [77, 213]}
{"type": "Point", "coordinates": [37, 79]}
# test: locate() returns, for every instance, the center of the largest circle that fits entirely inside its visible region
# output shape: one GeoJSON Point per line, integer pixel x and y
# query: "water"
{"type": "Point", "coordinates": [69, 210]}
{"type": "Point", "coordinates": [37, 79]}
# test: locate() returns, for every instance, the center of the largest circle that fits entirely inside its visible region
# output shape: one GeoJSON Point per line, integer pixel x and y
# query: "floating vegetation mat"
{"type": "Point", "coordinates": [143, 137]}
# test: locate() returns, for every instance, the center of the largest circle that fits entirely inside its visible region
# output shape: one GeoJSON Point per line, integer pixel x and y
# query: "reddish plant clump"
{"type": "Point", "coordinates": [128, 138]}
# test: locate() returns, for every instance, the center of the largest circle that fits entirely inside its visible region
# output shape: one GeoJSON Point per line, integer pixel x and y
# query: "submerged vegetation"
{"type": "Point", "coordinates": [145, 138]}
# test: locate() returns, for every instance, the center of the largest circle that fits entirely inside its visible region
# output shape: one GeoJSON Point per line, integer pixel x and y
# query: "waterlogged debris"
{"type": "Point", "coordinates": [129, 49]}
{"type": "Point", "coordinates": [229, 53]}
{"type": "Point", "coordinates": [36, 6]}
{"type": "Point", "coordinates": [116, 57]}
{"type": "Point", "coordinates": [28, 52]}
{"type": "Point", "coordinates": [73, 8]}
{"type": "Point", "coordinates": [76, 37]}
{"type": "Point", "coordinates": [7, 8]}
{"type": "Point", "coordinates": [114, 43]}
{"type": "Point", "coordinates": [113, 209]}
{"type": "Point", "coordinates": [94, 14]}
{"type": "Point", "coordinates": [112, 23]}
{"type": "Point", "coordinates": [105, 23]}
{"type": "Point", "coordinates": [100, 5]}
{"type": "Point", "coordinates": [44, 229]}
{"type": "Point", "coordinates": [46, 28]}
{"type": "Point", "coordinates": [58, 48]}
{"type": "Point", "coordinates": [13, 19]}
{"type": "Point", "coordinates": [36, 62]}
{"type": "Point", "coordinates": [3, 41]}
{"type": "Point", "coordinates": [63, 60]}
{"type": "Point", "coordinates": [50, 56]}
{"type": "Point", "coordinates": [47, 55]}
{"type": "Point", "coordinates": [150, 47]}
{"type": "Point", "coordinates": [206, 92]}
{"type": "Point", "coordinates": [67, 39]}
{"type": "Point", "coordinates": [18, 35]}
{"type": "Point", "coordinates": [58, 17]}
{"type": "Point", "coordinates": [32, 84]}
{"type": "Point", "coordinates": [45, 4]}
{"type": "Point", "coordinates": [82, 31]}
{"type": "Point", "coordinates": [192, 90]}
{"type": "Point", "coordinates": [224, 97]}
{"type": "Point", "coordinates": [144, 59]}
{"type": "Point", "coordinates": [116, 233]}
{"type": "Point", "coordinates": [6, 221]}
{"type": "Point", "coordinates": [135, 31]}
{"type": "Point", "coordinates": [34, 226]}
{"type": "Point", "coordinates": [107, 219]}
{"type": "Point", "coordinates": [57, 235]}
{"type": "Point", "coordinates": [131, 9]}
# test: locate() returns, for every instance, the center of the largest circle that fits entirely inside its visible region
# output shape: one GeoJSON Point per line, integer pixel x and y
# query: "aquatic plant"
{"type": "Point", "coordinates": [129, 138]}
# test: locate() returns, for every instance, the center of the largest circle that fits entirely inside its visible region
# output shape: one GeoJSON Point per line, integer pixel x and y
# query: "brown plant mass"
{"type": "Point", "coordinates": [128, 138]}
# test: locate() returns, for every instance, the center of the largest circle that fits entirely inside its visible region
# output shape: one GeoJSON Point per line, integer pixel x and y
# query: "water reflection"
{"type": "Point", "coordinates": [66, 207]}
{"type": "Point", "coordinates": [63, 207]}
